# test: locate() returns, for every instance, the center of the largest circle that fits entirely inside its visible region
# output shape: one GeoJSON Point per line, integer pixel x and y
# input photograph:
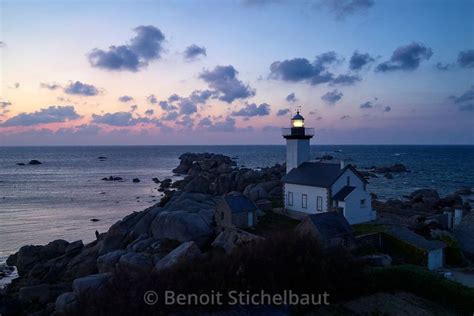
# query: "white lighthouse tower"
{"type": "Point", "coordinates": [297, 142]}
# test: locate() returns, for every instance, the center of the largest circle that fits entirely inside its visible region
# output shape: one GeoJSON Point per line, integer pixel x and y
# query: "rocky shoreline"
{"type": "Point", "coordinates": [180, 227]}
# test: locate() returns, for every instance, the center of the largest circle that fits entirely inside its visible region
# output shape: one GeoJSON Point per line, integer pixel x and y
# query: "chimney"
{"type": "Point", "coordinates": [343, 164]}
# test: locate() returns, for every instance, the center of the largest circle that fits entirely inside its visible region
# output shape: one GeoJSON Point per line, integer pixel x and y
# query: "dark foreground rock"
{"type": "Point", "coordinates": [34, 162]}
{"type": "Point", "coordinates": [390, 169]}
{"type": "Point", "coordinates": [112, 178]}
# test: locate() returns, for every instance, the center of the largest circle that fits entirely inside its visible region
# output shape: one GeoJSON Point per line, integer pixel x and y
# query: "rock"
{"type": "Point", "coordinates": [107, 262]}
{"type": "Point", "coordinates": [156, 180]}
{"type": "Point", "coordinates": [84, 263]}
{"type": "Point", "coordinates": [229, 239]}
{"type": "Point", "coordinates": [256, 192]}
{"type": "Point", "coordinates": [464, 191]}
{"type": "Point", "coordinates": [198, 184]}
{"type": "Point", "coordinates": [34, 162]}
{"type": "Point", "coordinates": [181, 226]}
{"type": "Point", "coordinates": [66, 303]}
{"type": "Point", "coordinates": [326, 157]}
{"type": "Point", "coordinates": [74, 247]}
{"type": "Point", "coordinates": [166, 183]}
{"type": "Point", "coordinates": [90, 284]}
{"type": "Point", "coordinates": [133, 263]}
{"type": "Point", "coordinates": [393, 169]}
{"type": "Point", "coordinates": [423, 194]}
{"type": "Point", "coordinates": [112, 178]}
{"type": "Point", "coordinates": [102, 158]}
{"type": "Point", "coordinates": [95, 219]}
{"type": "Point", "coordinates": [136, 180]}
{"type": "Point", "coordinates": [451, 200]}
{"type": "Point", "coordinates": [388, 176]}
{"type": "Point", "coordinates": [186, 251]}
{"type": "Point", "coordinates": [20, 164]}
{"type": "Point", "coordinates": [377, 260]}
{"type": "Point", "coordinates": [39, 293]}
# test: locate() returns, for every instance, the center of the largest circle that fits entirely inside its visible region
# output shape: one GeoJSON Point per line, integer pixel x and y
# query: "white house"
{"type": "Point", "coordinates": [314, 187]}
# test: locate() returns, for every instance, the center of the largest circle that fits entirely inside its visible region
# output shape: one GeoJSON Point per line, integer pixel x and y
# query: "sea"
{"type": "Point", "coordinates": [58, 198]}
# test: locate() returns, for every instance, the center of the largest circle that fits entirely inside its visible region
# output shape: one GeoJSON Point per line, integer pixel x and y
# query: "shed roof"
{"type": "Point", "coordinates": [331, 224]}
{"type": "Point", "coordinates": [410, 237]}
{"type": "Point", "coordinates": [318, 174]}
{"type": "Point", "coordinates": [239, 203]}
{"type": "Point", "coordinates": [343, 193]}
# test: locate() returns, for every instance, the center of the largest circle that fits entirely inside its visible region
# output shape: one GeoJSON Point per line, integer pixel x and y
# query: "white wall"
{"type": "Point", "coordinates": [435, 259]}
{"type": "Point", "coordinates": [312, 193]}
{"type": "Point", "coordinates": [353, 211]}
{"type": "Point", "coordinates": [297, 152]}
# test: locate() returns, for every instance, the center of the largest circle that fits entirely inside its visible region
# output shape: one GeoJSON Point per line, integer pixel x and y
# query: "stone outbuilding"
{"type": "Point", "coordinates": [235, 211]}
{"type": "Point", "coordinates": [331, 228]}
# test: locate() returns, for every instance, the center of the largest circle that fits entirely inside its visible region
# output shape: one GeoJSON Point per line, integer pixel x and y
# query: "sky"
{"type": "Point", "coordinates": [235, 71]}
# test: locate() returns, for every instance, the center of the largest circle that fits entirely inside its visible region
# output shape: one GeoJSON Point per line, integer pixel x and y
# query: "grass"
{"type": "Point", "coordinates": [362, 229]}
{"type": "Point", "coordinates": [272, 222]}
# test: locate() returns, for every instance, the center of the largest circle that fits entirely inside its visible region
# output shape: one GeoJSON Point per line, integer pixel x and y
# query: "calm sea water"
{"type": "Point", "coordinates": [57, 199]}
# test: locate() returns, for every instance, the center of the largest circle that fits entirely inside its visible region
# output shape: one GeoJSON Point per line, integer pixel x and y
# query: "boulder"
{"type": "Point", "coordinates": [155, 180]}
{"type": "Point", "coordinates": [136, 180]}
{"type": "Point", "coordinates": [20, 164]}
{"type": "Point", "coordinates": [464, 191]}
{"type": "Point", "coordinates": [256, 192]}
{"type": "Point", "coordinates": [66, 303]}
{"type": "Point", "coordinates": [186, 251]}
{"type": "Point", "coordinates": [132, 263]}
{"type": "Point", "coordinates": [180, 225]}
{"type": "Point", "coordinates": [84, 263]}
{"type": "Point", "coordinates": [39, 293]}
{"type": "Point", "coordinates": [90, 284]}
{"type": "Point", "coordinates": [264, 205]}
{"type": "Point", "coordinates": [74, 247]}
{"type": "Point", "coordinates": [393, 169]}
{"type": "Point", "coordinates": [229, 239]}
{"type": "Point", "coordinates": [107, 262]}
{"type": "Point", "coordinates": [388, 176]}
{"type": "Point", "coordinates": [198, 184]}
{"type": "Point", "coordinates": [34, 162]}
{"type": "Point", "coordinates": [424, 194]}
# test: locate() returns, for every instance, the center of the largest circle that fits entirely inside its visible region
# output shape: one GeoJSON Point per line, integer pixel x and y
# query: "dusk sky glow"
{"type": "Point", "coordinates": [233, 72]}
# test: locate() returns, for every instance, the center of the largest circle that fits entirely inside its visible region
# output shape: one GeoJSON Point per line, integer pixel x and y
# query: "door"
{"type": "Point", "coordinates": [250, 219]}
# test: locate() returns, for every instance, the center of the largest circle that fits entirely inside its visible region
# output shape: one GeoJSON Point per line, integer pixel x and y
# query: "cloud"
{"type": "Point", "coordinates": [52, 114]}
{"type": "Point", "coordinates": [465, 101]}
{"type": "Point", "coordinates": [366, 105]}
{"type": "Point", "coordinates": [186, 121]}
{"type": "Point", "coordinates": [228, 125]}
{"type": "Point", "coordinates": [166, 106]}
{"type": "Point", "coordinates": [291, 98]}
{"type": "Point", "coordinates": [443, 66]}
{"type": "Point", "coordinates": [173, 97]}
{"type": "Point", "coordinates": [3, 44]}
{"type": "Point", "coordinates": [5, 104]}
{"type": "Point", "coordinates": [283, 112]}
{"type": "Point", "coordinates": [466, 59]}
{"type": "Point", "coordinates": [79, 88]}
{"type": "Point", "coordinates": [144, 47]}
{"type": "Point", "coordinates": [301, 69]}
{"type": "Point", "coordinates": [344, 117]}
{"type": "Point", "coordinates": [223, 79]}
{"type": "Point", "coordinates": [133, 108]}
{"type": "Point", "coordinates": [331, 97]}
{"type": "Point", "coordinates": [152, 99]}
{"type": "Point", "coordinates": [406, 58]}
{"type": "Point", "coordinates": [193, 52]}
{"type": "Point", "coordinates": [199, 96]}
{"type": "Point", "coordinates": [344, 8]}
{"type": "Point", "coordinates": [345, 80]}
{"type": "Point", "coordinates": [120, 119]}
{"type": "Point", "coordinates": [252, 109]}
{"type": "Point", "coordinates": [149, 112]}
{"type": "Point", "coordinates": [125, 98]}
{"type": "Point", "coordinates": [50, 86]}
{"type": "Point", "coordinates": [359, 61]}
{"type": "Point", "coordinates": [205, 122]}
{"type": "Point", "coordinates": [170, 116]}
{"type": "Point", "coordinates": [187, 107]}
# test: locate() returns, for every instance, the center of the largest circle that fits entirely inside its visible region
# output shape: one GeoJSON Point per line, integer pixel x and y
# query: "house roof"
{"type": "Point", "coordinates": [318, 174]}
{"type": "Point", "coordinates": [343, 193]}
{"type": "Point", "coordinates": [331, 224]}
{"type": "Point", "coordinates": [239, 203]}
{"type": "Point", "coordinates": [409, 237]}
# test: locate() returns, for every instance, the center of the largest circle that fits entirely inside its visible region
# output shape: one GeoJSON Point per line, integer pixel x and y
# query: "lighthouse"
{"type": "Point", "coordinates": [297, 142]}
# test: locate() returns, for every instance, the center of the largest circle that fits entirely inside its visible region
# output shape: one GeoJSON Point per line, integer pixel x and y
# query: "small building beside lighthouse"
{"type": "Point", "coordinates": [316, 187]}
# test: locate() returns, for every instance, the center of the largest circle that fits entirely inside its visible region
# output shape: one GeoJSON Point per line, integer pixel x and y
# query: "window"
{"type": "Point", "coordinates": [290, 198]}
{"type": "Point", "coordinates": [348, 180]}
{"type": "Point", "coordinates": [362, 203]}
{"type": "Point", "coordinates": [319, 204]}
{"type": "Point", "coordinates": [304, 201]}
